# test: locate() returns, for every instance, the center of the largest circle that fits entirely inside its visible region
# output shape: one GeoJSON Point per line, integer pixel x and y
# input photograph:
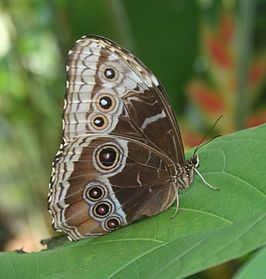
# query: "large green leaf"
{"type": "Point", "coordinates": [210, 228]}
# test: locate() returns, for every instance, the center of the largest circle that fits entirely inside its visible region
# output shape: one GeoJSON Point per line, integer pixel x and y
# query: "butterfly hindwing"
{"type": "Point", "coordinates": [104, 182]}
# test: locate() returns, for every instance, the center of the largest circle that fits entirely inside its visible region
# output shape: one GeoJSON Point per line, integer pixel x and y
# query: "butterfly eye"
{"type": "Point", "coordinates": [95, 193]}
{"type": "Point", "coordinates": [99, 122]}
{"type": "Point", "coordinates": [105, 102]}
{"type": "Point", "coordinates": [108, 157]}
{"type": "Point", "coordinates": [102, 209]}
{"type": "Point", "coordinates": [195, 161]}
{"type": "Point", "coordinates": [112, 223]}
{"type": "Point", "coordinates": [109, 73]}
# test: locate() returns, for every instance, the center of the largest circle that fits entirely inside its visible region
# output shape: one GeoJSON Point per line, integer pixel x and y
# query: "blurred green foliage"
{"type": "Point", "coordinates": [35, 36]}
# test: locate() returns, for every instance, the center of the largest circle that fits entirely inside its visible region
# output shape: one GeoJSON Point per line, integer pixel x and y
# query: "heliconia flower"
{"type": "Point", "coordinates": [207, 99]}
{"type": "Point", "coordinates": [218, 96]}
{"type": "Point", "coordinates": [219, 52]}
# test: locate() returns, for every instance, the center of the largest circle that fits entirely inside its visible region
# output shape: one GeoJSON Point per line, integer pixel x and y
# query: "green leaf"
{"type": "Point", "coordinates": [211, 227]}
{"type": "Point", "coordinates": [254, 268]}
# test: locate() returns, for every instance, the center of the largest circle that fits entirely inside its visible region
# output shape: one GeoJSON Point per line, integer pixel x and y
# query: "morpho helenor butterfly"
{"type": "Point", "coordinates": [122, 156]}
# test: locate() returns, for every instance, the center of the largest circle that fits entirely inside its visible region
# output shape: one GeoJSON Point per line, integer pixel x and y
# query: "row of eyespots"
{"type": "Point", "coordinates": [105, 102]}
{"type": "Point", "coordinates": [107, 158]}
{"type": "Point", "coordinates": [102, 209]}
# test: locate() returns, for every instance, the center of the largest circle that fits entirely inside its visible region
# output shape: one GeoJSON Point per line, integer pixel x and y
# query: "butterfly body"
{"type": "Point", "coordinates": [122, 156]}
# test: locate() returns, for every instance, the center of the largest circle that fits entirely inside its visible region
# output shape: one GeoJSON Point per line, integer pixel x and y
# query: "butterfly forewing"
{"type": "Point", "coordinates": [98, 72]}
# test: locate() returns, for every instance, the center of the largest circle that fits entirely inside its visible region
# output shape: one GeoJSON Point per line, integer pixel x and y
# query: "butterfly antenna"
{"type": "Point", "coordinates": [206, 142]}
{"type": "Point", "coordinates": [207, 134]}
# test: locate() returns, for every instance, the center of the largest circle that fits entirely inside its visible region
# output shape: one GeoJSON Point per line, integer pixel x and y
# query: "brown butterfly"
{"type": "Point", "coordinates": [122, 156]}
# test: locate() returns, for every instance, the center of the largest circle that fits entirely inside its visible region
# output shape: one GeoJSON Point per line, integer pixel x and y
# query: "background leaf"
{"type": "Point", "coordinates": [254, 267]}
{"type": "Point", "coordinates": [211, 227]}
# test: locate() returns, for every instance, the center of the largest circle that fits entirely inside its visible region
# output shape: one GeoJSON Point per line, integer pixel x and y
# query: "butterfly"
{"type": "Point", "coordinates": [122, 156]}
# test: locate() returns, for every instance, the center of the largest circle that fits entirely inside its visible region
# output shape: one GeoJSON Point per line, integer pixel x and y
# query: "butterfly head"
{"type": "Point", "coordinates": [194, 161]}
{"type": "Point", "coordinates": [192, 164]}
{"type": "Point", "coordinates": [185, 178]}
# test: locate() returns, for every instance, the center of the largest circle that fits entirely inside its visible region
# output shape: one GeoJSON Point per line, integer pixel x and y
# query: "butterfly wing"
{"type": "Point", "coordinates": [120, 145]}
{"type": "Point", "coordinates": [109, 91]}
{"type": "Point", "coordinates": [101, 183]}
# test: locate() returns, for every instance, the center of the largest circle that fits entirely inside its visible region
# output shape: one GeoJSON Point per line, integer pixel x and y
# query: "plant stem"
{"type": "Point", "coordinates": [244, 50]}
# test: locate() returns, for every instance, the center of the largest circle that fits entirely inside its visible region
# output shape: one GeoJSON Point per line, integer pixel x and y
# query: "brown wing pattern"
{"type": "Point", "coordinates": [134, 183]}
{"type": "Point", "coordinates": [99, 71]}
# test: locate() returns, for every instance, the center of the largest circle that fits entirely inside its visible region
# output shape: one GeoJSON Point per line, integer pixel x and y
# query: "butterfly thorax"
{"type": "Point", "coordinates": [185, 173]}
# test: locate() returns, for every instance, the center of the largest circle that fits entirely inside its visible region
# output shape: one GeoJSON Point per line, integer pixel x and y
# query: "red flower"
{"type": "Point", "coordinates": [218, 51]}
{"type": "Point", "coordinates": [207, 99]}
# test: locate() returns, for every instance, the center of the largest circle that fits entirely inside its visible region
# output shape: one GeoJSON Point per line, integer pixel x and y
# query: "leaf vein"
{"type": "Point", "coordinates": [129, 239]}
{"type": "Point", "coordinates": [207, 213]}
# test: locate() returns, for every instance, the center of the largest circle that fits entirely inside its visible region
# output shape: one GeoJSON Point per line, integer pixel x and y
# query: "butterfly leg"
{"type": "Point", "coordinates": [177, 204]}
{"type": "Point", "coordinates": [204, 181]}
